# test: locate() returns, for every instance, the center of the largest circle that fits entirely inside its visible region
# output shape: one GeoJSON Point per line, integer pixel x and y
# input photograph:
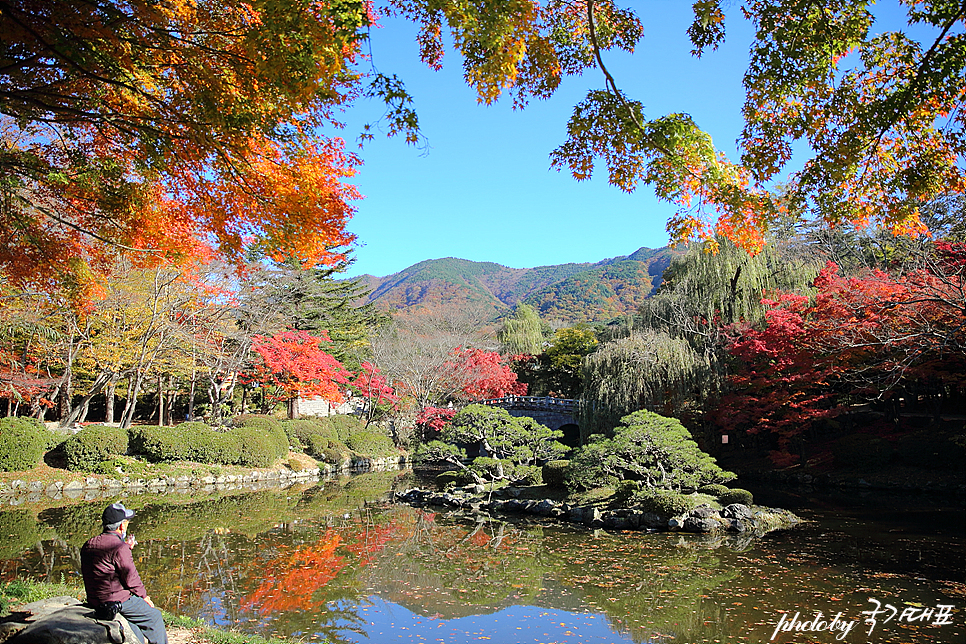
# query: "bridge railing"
{"type": "Point", "coordinates": [562, 405]}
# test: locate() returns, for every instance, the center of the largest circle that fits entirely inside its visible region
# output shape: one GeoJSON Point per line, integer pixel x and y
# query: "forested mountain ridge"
{"type": "Point", "coordinates": [574, 292]}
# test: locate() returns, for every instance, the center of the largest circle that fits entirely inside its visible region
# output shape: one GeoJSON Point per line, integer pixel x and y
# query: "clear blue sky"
{"type": "Point", "coordinates": [484, 190]}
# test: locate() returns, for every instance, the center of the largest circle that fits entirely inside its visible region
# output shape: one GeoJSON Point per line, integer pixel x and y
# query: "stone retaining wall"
{"type": "Point", "coordinates": [17, 492]}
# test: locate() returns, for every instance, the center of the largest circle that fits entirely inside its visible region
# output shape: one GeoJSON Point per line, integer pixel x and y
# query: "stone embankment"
{"type": "Point", "coordinates": [17, 491]}
{"type": "Point", "coordinates": [735, 518]}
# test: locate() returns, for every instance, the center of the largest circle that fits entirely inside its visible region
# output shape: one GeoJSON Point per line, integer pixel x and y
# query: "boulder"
{"type": "Point", "coordinates": [699, 525]}
{"type": "Point", "coordinates": [64, 620]}
{"type": "Point", "coordinates": [737, 511]}
{"type": "Point", "coordinates": [703, 512]}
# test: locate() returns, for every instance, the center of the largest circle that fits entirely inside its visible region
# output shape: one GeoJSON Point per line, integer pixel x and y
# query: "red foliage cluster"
{"type": "Point", "coordinates": [292, 364]}
{"type": "Point", "coordinates": [483, 375]}
{"type": "Point", "coordinates": [862, 336]}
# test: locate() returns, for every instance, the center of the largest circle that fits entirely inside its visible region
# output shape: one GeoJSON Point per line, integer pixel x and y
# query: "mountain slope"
{"type": "Point", "coordinates": [585, 292]}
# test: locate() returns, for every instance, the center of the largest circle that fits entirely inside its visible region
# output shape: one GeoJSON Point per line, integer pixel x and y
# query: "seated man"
{"type": "Point", "coordinates": [112, 582]}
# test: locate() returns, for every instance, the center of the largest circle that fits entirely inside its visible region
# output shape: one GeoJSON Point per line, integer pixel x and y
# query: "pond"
{"type": "Point", "coordinates": [336, 561]}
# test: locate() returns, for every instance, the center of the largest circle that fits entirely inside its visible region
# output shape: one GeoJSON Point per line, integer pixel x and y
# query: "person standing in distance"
{"type": "Point", "coordinates": [112, 582]}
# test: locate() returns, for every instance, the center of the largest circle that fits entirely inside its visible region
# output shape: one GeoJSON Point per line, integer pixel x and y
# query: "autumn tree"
{"type": "Point", "coordinates": [168, 132]}
{"type": "Point", "coordinates": [291, 364]}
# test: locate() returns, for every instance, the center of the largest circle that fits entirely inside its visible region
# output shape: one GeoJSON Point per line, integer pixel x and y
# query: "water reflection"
{"type": "Point", "coordinates": [337, 562]}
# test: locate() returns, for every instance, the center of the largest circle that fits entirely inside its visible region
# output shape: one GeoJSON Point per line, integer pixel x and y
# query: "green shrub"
{"type": "Point", "coordinates": [715, 489]}
{"type": "Point", "coordinates": [325, 448]}
{"type": "Point", "coordinates": [191, 441]}
{"type": "Point", "coordinates": [344, 425]}
{"type": "Point", "coordinates": [300, 429]}
{"type": "Point", "coordinates": [487, 467]}
{"type": "Point", "coordinates": [22, 442]}
{"type": "Point", "coordinates": [125, 465]}
{"type": "Point", "coordinates": [736, 495]}
{"type": "Point", "coordinates": [527, 475]}
{"type": "Point", "coordinates": [624, 491]}
{"type": "Point", "coordinates": [371, 443]}
{"type": "Point", "coordinates": [664, 503]}
{"type": "Point", "coordinates": [554, 473]}
{"type": "Point", "coordinates": [930, 449]}
{"type": "Point", "coordinates": [257, 421]}
{"type": "Point", "coordinates": [94, 444]}
{"type": "Point", "coordinates": [260, 444]}
{"type": "Point", "coordinates": [448, 480]}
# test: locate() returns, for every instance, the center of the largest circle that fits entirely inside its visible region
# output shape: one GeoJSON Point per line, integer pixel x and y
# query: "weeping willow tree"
{"type": "Point", "coordinates": [521, 332]}
{"type": "Point", "coordinates": [670, 358]}
{"type": "Point", "coordinates": [649, 369]}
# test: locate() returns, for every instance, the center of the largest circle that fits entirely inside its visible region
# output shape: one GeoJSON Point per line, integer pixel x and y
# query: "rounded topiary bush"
{"type": "Point", "coordinates": [22, 442]}
{"type": "Point", "coordinates": [625, 491]}
{"type": "Point", "coordinates": [325, 448]}
{"type": "Point", "coordinates": [300, 429]}
{"type": "Point", "coordinates": [554, 473]}
{"type": "Point", "coordinates": [715, 489]}
{"type": "Point", "coordinates": [664, 503]}
{"type": "Point", "coordinates": [93, 444]}
{"type": "Point", "coordinates": [371, 443]}
{"type": "Point", "coordinates": [260, 444]}
{"type": "Point", "coordinates": [344, 425]}
{"type": "Point", "coordinates": [736, 495]}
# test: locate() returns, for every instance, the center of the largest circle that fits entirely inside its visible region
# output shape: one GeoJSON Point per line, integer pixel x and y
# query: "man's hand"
{"type": "Point", "coordinates": [131, 541]}
{"type": "Point", "coordinates": [150, 603]}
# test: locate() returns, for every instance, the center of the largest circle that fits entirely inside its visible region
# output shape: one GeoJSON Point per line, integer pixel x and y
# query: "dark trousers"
{"type": "Point", "coordinates": [146, 622]}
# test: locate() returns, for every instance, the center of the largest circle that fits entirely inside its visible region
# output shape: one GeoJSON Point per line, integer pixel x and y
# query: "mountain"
{"type": "Point", "coordinates": [586, 292]}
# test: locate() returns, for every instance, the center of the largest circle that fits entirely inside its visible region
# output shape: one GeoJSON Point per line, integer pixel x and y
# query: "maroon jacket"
{"type": "Point", "coordinates": [108, 569]}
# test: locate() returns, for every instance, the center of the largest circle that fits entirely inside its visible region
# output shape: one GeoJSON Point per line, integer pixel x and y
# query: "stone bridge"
{"type": "Point", "coordinates": [555, 413]}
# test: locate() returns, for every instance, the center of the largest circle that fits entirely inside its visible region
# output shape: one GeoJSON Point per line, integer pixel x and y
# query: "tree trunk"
{"type": "Point", "coordinates": [134, 387]}
{"type": "Point", "coordinates": [109, 400]}
{"type": "Point", "coordinates": [161, 393]}
{"type": "Point", "coordinates": [172, 398]}
{"type": "Point", "coordinates": [79, 413]}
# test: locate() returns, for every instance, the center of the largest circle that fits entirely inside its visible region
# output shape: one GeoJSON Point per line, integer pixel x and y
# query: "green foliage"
{"type": "Point", "coordinates": [647, 447]}
{"type": "Point", "coordinates": [527, 475]}
{"type": "Point", "coordinates": [22, 443]}
{"type": "Point", "coordinates": [26, 591]}
{"type": "Point", "coordinates": [326, 448]}
{"type": "Point", "coordinates": [344, 425]}
{"type": "Point", "coordinates": [736, 495]}
{"type": "Point", "coordinates": [126, 465]}
{"type": "Point", "coordinates": [94, 444]}
{"type": "Point", "coordinates": [259, 444]}
{"type": "Point", "coordinates": [664, 503]}
{"type": "Point", "coordinates": [649, 368]}
{"type": "Point", "coordinates": [371, 442]}
{"type": "Point", "coordinates": [714, 489]}
{"type": "Point", "coordinates": [932, 449]}
{"type": "Point", "coordinates": [446, 480]}
{"type": "Point", "coordinates": [517, 441]}
{"type": "Point", "coordinates": [554, 473]}
{"type": "Point", "coordinates": [521, 332]}
{"type": "Point", "coordinates": [19, 529]}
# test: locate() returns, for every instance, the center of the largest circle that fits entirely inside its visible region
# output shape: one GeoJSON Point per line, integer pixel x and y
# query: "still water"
{"type": "Point", "coordinates": [335, 561]}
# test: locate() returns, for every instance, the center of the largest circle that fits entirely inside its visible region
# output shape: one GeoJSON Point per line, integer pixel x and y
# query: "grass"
{"type": "Point", "coordinates": [24, 591]}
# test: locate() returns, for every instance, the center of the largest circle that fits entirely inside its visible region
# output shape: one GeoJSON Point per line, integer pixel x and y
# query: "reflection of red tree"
{"type": "Point", "coordinates": [289, 581]}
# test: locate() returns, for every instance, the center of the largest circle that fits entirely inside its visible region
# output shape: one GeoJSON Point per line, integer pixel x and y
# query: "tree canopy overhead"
{"type": "Point", "coordinates": [877, 107]}
{"type": "Point", "coordinates": [171, 129]}
{"type": "Point", "coordinates": [179, 129]}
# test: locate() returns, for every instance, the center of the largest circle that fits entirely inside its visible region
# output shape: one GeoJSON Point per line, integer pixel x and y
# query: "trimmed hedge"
{"type": "Point", "coordinates": [344, 425]}
{"type": "Point", "coordinates": [736, 495]}
{"type": "Point", "coordinates": [22, 442]}
{"type": "Point", "coordinates": [94, 444]}
{"type": "Point", "coordinates": [371, 443]}
{"type": "Point", "coordinates": [715, 489]}
{"type": "Point", "coordinates": [448, 479]}
{"type": "Point", "coordinates": [554, 473]}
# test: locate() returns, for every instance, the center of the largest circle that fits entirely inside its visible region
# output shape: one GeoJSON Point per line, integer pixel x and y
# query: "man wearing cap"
{"type": "Point", "coordinates": [112, 582]}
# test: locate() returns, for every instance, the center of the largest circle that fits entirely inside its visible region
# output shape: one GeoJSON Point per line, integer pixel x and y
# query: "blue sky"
{"type": "Point", "coordinates": [484, 190]}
